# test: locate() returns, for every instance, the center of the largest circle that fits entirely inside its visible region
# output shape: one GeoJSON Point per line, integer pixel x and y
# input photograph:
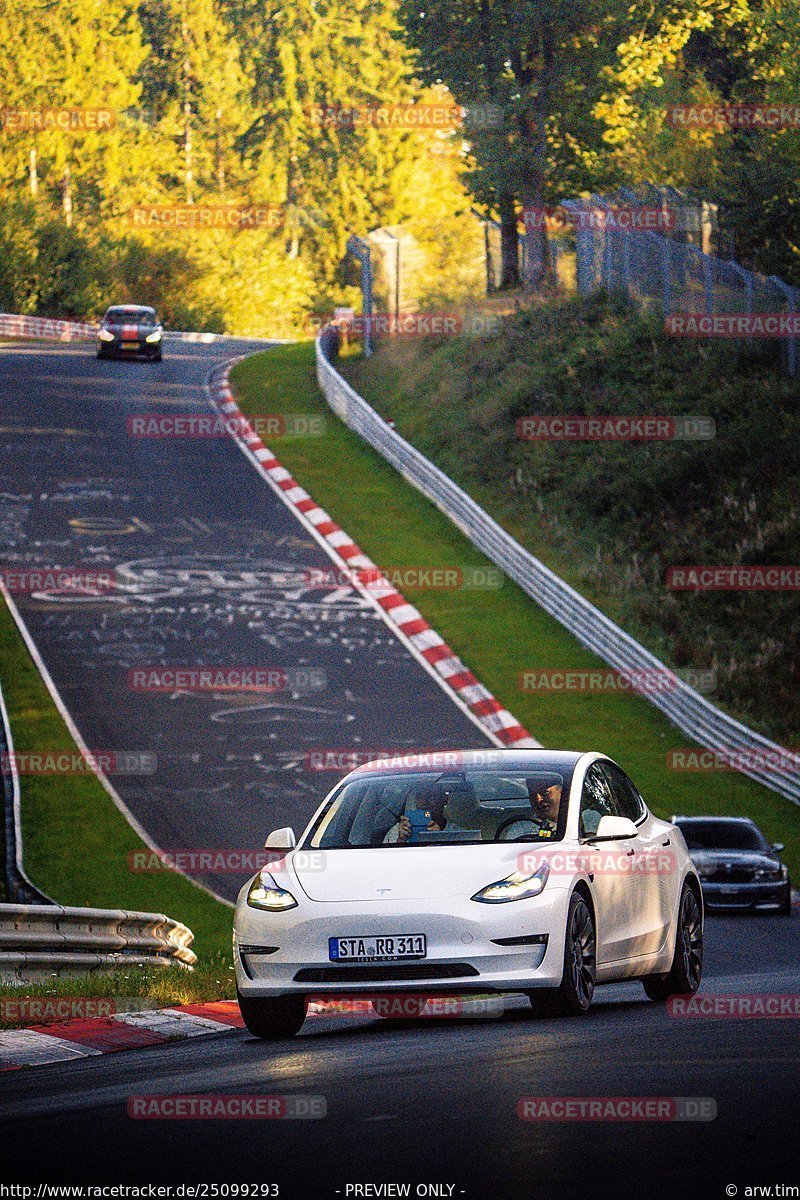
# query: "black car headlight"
{"type": "Point", "coordinates": [771, 874]}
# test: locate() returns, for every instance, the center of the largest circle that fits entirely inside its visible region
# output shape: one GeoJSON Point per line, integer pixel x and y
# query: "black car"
{"type": "Point", "coordinates": [738, 868]}
{"type": "Point", "coordinates": [130, 331]}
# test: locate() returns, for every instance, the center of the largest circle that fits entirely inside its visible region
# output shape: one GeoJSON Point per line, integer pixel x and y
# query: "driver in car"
{"type": "Point", "coordinates": [545, 797]}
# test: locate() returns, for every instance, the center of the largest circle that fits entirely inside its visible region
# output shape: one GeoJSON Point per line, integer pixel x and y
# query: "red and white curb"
{"type": "Point", "coordinates": [495, 720]}
{"type": "Point", "coordinates": [69, 1040]}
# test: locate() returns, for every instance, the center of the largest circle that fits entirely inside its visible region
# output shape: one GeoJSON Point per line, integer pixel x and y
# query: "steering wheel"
{"type": "Point", "coordinates": [526, 828]}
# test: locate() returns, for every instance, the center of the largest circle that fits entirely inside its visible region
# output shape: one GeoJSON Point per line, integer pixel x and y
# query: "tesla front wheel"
{"type": "Point", "coordinates": [273, 1017]}
{"type": "Point", "coordinates": [683, 977]}
{"type": "Point", "coordinates": [574, 994]}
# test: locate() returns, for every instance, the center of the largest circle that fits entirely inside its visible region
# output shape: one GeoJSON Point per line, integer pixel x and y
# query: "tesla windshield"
{"type": "Point", "coordinates": [429, 808]}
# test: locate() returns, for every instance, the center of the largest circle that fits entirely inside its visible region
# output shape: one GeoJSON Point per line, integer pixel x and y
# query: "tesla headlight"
{"type": "Point", "coordinates": [265, 893]}
{"type": "Point", "coordinates": [105, 335]}
{"type": "Point", "coordinates": [519, 886]}
{"type": "Point", "coordinates": [155, 336]}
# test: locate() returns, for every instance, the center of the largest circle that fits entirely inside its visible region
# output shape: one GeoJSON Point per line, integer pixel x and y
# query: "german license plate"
{"type": "Point", "coordinates": [377, 949]}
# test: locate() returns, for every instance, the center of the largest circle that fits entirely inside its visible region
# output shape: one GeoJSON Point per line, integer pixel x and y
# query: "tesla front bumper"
{"type": "Point", "coordinates": [470, 946]}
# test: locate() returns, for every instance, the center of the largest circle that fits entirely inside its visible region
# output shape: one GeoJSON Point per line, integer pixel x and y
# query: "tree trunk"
{"type": "Point", "coordinates": [66, 197]}
{"type": "Point", "coordinates": [509, 242]}
{"type": "Point", "coordinates": [538, 272]}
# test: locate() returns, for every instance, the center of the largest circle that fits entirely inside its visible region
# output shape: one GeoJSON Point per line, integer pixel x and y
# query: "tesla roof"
{"type": "Point", "coordinates": [451, 760]}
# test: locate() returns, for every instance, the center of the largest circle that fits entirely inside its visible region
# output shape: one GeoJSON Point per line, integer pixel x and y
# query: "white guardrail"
{"type": "Point", "coordinates": [47, 329]}
{"type": "Point", "coordinates": [753, 754]}
{"type": "Point", "coordinates": [40, 940]}
{"type": "Point", "coordinates": [12, 325]}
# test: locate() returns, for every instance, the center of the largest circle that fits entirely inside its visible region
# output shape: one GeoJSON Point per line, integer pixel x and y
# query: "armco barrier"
{"type": "Point", "coordinates": [38, 941]}
{"type": "Point", "coordinates": [46, 329]}
{"type": "Point", "coordinates": [12, 325]}
{"type": "Point", "coordinates": [19, 888]}
{"type": "Point", "coordinates": [695, 716]}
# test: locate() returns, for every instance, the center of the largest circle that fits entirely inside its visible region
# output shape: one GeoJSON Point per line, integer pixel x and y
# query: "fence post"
{"type": "Point", "coordinates": [708, 284]}
{"type": "Point", "coordinates": [361, 250]}
{"type": "Point", "coordinates": [747, 279]}
{"type": "Point", "coordinates": [487, 249]}
{"type": "Point", "coordinates": [607, 271]}
{"type": "Point", "coordinates": [666, 271]}
{"type": "Point", "coordinates": [626, 261]}
{"type": "Point", "coordinates": [791, 307]}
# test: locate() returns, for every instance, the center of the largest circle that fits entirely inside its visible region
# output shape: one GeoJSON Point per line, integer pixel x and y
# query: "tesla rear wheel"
{"type": "Point", "coordinates": [272, 1018]}
{"type": "Point", "coordinates": [683, 977]}
{"type": "Point", "coordinates": [574, 995]}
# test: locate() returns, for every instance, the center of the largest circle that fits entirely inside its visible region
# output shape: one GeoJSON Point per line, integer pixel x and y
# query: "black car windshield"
{"type": "Point", "coordinates": [722, 835]}
{"type": "Point", "coordinates": [129, 316]}
{"type": "Point", "coordinates": [429, 808]}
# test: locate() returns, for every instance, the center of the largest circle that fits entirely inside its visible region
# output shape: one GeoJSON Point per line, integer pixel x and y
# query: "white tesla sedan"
{"type": "Point", "coordinates": [531, 871]}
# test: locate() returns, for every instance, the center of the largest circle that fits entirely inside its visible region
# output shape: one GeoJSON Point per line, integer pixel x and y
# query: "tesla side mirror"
{"type": "Point", "coordinates": [611, 828]}
{"type": "Point", "coordinates": [281, 839]}
{"type": "Point", "coordinates": [777, 847]}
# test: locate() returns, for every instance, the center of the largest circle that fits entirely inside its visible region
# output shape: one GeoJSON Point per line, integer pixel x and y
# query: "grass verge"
{"type": "Point", "coordinates": [499, 632]}
{"type": "Point", "coordinates": [612, 516]}
{"type": "Point", "coordinates": [76, 842]}
{"type": "Point", "coordinates": [126, 990]}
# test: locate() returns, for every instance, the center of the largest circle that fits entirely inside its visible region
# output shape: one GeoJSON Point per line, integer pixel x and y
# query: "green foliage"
{"type": "Point", "coordinates": [722, 52]}
{"type": "Point", "coordinates": [213, 104]}
{"type": "Point", "coordinates": [613, 516]}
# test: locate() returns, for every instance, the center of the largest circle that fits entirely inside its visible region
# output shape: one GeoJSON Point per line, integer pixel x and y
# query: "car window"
{"type": "Point", "coordinates": [597, 800]}
{"type": "Point", "coordinates": [722, 835]}
{"type": "Point", "coordinates": [427, 808]}
{"type": "Point", "coordinates": [629, 802]}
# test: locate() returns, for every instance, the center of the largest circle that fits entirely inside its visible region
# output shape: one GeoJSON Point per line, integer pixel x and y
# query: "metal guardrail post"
{"type": "Point", "coordinates": [666, 275]}
{"type": "Point", "coordinates": [19, 888]}
{"type": "Point", "coordinates": [747, 281]}
{"type": "Point", "coordinates": [361, 250]}
{"type": "Point", "coordinates": [708, 284]}
{"type": "Point", "coordinates": [791, 305]}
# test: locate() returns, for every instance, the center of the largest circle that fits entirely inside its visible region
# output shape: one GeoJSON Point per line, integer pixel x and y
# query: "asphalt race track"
{"type": "Point", "coordinates": [214, 570]}
{"type": "Point", "coordinates": [428, 1102]}
{"type": "Point", "coordinates": [436, 1101]}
